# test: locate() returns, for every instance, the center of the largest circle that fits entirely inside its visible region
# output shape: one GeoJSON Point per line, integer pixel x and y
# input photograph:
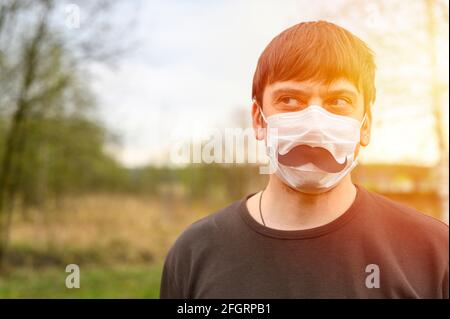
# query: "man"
{"type": "Point", "coordinates": [311, 233]}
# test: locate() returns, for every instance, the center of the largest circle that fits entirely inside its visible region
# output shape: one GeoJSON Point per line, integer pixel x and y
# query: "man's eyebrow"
{"type": "Point", "coordinates": [342, 92]}
{"type": "Point", "coordinates": [281, 91]}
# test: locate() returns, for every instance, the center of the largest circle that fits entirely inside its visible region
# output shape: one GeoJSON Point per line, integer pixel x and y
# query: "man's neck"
{"type": "Point", "coordinates": [287, 209]}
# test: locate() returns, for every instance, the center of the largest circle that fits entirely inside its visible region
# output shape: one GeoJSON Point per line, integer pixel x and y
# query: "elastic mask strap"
{"type": "Point", "coordinates": [362, 122]}
{"type": "Point", "coordinates": [261, 112]}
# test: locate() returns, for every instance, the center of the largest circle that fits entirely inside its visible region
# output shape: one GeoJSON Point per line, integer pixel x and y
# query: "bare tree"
{"type": "Point", "coordinates": [40, 67]}
{"type": "Point", "coordinates": [436, 97]}
{"type": "Point", "coordinates": [424, 19]}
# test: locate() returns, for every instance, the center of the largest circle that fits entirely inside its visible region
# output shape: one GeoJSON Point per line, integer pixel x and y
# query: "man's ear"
{"type": "Point", "coordinates": [258, 122]}
{"type": "Point", "coordinates": [365, 129]}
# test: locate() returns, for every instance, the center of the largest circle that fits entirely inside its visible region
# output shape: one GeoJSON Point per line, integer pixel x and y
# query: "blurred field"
{"type": "Point", "coordinates": [105, 229]}
{"type": "Point", "coordinates": [118, 241]}
{"type": "Point", "coordinates": [136, 281]}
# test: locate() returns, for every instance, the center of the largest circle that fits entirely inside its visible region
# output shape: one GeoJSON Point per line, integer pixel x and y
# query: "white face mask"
{"type": "Point", "coordinates": [312, 150]}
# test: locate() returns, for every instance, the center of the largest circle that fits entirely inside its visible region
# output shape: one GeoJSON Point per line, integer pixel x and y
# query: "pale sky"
{"type": "Point", "coordinates": [193, 65]}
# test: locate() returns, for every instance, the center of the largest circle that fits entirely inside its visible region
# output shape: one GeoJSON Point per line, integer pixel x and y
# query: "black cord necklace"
{"type": "Point", "coordinates": [260, 211]}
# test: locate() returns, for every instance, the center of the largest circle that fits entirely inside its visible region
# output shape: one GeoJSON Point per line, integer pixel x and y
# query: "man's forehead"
{"type": "Point", "coordinates": [314, 86]}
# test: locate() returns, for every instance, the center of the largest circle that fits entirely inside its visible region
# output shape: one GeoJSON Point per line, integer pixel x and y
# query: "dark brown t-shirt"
{"type": "Point", "coordinates": [377, 249]}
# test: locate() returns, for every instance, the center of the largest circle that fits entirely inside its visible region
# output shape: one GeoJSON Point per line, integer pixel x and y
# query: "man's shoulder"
{"type": "Point", "coordinates": [402, 217]}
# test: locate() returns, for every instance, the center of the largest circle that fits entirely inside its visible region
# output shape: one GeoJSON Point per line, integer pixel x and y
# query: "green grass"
{"type": "Point", "coordinates": [136, 281]}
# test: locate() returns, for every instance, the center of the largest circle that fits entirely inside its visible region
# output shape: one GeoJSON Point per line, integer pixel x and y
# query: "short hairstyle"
{"type": "Point", "coordinates": [316, 50]}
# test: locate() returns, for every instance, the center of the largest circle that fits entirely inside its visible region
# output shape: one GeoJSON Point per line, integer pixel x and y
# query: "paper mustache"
{"type": "Point", "coordinates": [303, 154]}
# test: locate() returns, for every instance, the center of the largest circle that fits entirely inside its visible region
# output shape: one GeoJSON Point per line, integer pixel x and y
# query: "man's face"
{"type": "Point", "coordinates": [339, 97]}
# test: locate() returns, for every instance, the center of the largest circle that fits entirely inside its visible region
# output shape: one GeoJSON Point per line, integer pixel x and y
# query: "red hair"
{"type": "Point", "coordinates": [316, 50]}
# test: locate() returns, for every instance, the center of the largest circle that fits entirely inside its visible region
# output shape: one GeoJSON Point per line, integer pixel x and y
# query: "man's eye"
{"type": "Point", "coordinates": [340, 102]}
{"type": "Point", "coordinates": [290, 101]}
